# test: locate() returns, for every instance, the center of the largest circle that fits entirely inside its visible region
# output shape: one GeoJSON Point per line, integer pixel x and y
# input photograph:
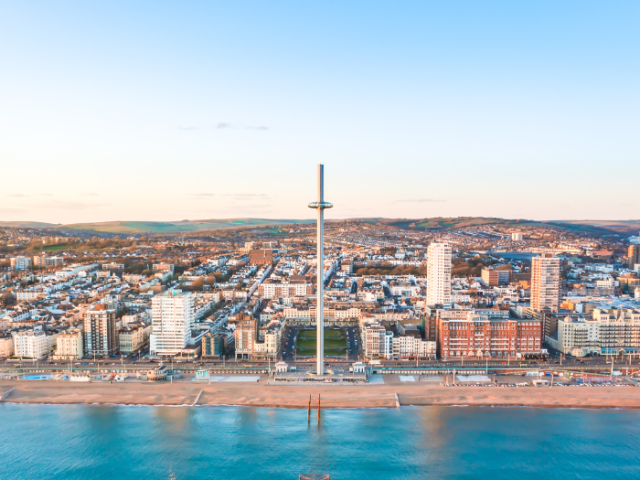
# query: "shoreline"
{"type": "Point", "coordinates": [346, 397]}
{"type": "Point", "coordinates": [186, 405]}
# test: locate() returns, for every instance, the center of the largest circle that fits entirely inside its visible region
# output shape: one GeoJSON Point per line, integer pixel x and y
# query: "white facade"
{"type": "Point", "coordinates": [609, 332]}
{"type": "Point", "coordinates": [516, 237]}
{"type": "Point", "coordinates": [20, 263]}
{"type": "Point", "coordinates": [70, 346]}
{"type": "Point", "coordinates": [31, 344]}
{"type": "Point", "coordinates": [439, 274]}
{"type": "Point", "coordinates": [545, 282]}
{"type": "Point", "coordinates": [172, 318]}
{"type": "Point", "coordinates": [6, 347]}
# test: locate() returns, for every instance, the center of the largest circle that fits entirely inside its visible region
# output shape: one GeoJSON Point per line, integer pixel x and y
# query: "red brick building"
{"type": "Point", "coordinates": [261, 257]}
{"type": "Point", "coordinates": [479, 336]}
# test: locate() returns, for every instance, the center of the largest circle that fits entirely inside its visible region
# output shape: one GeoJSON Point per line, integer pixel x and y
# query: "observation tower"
{"type": "Point", "coordinates": [320, 206]}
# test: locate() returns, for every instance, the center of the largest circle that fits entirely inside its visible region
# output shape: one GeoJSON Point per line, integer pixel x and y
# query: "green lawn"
{"type": "Point", "coordinates": [335, 343]}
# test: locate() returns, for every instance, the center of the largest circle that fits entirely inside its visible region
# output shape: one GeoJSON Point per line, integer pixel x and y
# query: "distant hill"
{"type": "Point", "coordinates": [620, 226]}
{"type": "Point", "coordinates": [176, 227]}
{"type": "Point", "coordinates": [19, 224]}
{"type": "Point", "coordinates": [591, 227]}
{"type": "Point", "coordinates": [595, 227]}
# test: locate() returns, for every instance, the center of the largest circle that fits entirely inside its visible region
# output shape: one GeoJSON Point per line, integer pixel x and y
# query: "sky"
{"type": "Point", "coordinates": [154, 110]}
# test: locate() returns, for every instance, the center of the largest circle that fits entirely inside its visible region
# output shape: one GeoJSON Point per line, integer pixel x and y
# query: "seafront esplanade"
{"type": "Point", "coordinates": [320, 206]}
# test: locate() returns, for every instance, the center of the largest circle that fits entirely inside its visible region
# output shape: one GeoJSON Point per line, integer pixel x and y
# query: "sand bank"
{"type": "Point", "coordinates": [365, 396]}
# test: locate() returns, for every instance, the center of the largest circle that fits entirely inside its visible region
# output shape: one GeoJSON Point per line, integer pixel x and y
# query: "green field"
{"type": "Point", "coordinates": [177, 227]}
{"type": "Point", "coordinates": [335, 343]}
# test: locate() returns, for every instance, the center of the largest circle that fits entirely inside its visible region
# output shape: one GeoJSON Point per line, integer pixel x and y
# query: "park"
{"type": "Point", "coordinates": [335, 343]}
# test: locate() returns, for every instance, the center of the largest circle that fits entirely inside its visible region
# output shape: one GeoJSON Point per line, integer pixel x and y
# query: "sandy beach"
{"type": "Point", "coordinates": [362, 396]}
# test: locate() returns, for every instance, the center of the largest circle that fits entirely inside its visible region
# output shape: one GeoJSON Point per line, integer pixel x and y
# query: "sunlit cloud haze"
{"type": "Point", "coordinates": [195, 110]}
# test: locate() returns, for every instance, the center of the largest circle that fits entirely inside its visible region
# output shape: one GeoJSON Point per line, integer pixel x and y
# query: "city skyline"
{"type": "Point", "coordinates": [219, 110]}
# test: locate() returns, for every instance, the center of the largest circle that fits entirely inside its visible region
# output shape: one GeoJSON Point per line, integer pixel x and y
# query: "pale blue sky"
{"type": "Point", "coordinates": [172, 110]}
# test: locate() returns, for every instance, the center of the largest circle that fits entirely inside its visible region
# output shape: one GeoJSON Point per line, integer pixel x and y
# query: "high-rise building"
{"type": "Point", "coordinates": [517, 237]}
{"type": "Point", "coordinates": [20, 263]}
{"type": "Point", "coordinates": [545, 282]}
{"type": "Point", "coordinates": [100, 336]}
{"type": "Point", "coordinates": [634, 256]}
{"type": "Point", "coordinates": [172, 317]}
{"type": "Point", "coordinates": [246, 333]}
{"type": "Point", "coordinates": [439, 274]}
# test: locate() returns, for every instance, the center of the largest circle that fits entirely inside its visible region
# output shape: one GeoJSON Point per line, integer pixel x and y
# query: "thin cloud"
{"type": "Point", "coordinates": [420, 200]}
{"type": "Point", "coordinates": [240, 126]}
{"type": "Point", "coordinates": [202, 194]}
{"type": "Point", "coordinates": [188, 129]}
{"type": "Point", "coordinates": [89, 194]}
{"type": "Point", "coordinates": [62, 205]}
{"type": "Point", "coordinates": [244, 195]}
{"type": "Point", "coordinates": [19, 195]}
{"type": "Point", "coordinates": [8, 211]}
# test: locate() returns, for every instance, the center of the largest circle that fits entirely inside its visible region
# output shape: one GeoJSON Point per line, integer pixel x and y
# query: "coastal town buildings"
{"type": "Point", "coordinates": [393, 288]}
{"type": "Point", "coordinates": [605, 332]}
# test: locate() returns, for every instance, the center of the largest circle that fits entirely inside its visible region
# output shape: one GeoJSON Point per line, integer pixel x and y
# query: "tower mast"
{"type": "Point", "coordinates": [320, 206]}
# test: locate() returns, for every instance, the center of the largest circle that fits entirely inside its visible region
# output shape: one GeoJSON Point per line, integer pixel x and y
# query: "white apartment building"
{"type": "Point", "coordinates": [608, 332]}
{"type": "Point", "coordinates": [163, 267]}
{"type": "Point", "coordinates": [284, 289]}
{"type": "Point", "coordinates": [30, 344]}
{"type": "Point", "coordinates": [517, 237]}
{"type": "Point", "coordinates": [439, 274]}
{"type": "Point", "coordinates": [545, 282]}
{"type": "Point", "coordinates": [73, 270]}
{"type": "Point", "coordinates": [70, 346]}
{"type": "Point", "coordinates": [44, 261]}
{"type": "Point", "coordinates": [172, 318]}
{"type": "Point", "coordinates": [28, 295]}
{"type": "Point", "coordinates": [20, 263]}
{"type": "Point", "coordinates": [374, 340]}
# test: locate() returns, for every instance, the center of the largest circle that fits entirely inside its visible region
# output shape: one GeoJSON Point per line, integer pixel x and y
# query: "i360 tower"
{"type": "Point", "coordinates": [320, 206]}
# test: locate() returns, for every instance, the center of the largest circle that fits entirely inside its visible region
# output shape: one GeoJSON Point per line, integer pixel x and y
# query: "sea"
{"type": "Point", "coordinates": [69, 442]}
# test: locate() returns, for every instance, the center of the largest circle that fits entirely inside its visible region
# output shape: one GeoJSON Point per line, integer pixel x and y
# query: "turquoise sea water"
{"type": "Point", "coordinates": [181, 443]}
